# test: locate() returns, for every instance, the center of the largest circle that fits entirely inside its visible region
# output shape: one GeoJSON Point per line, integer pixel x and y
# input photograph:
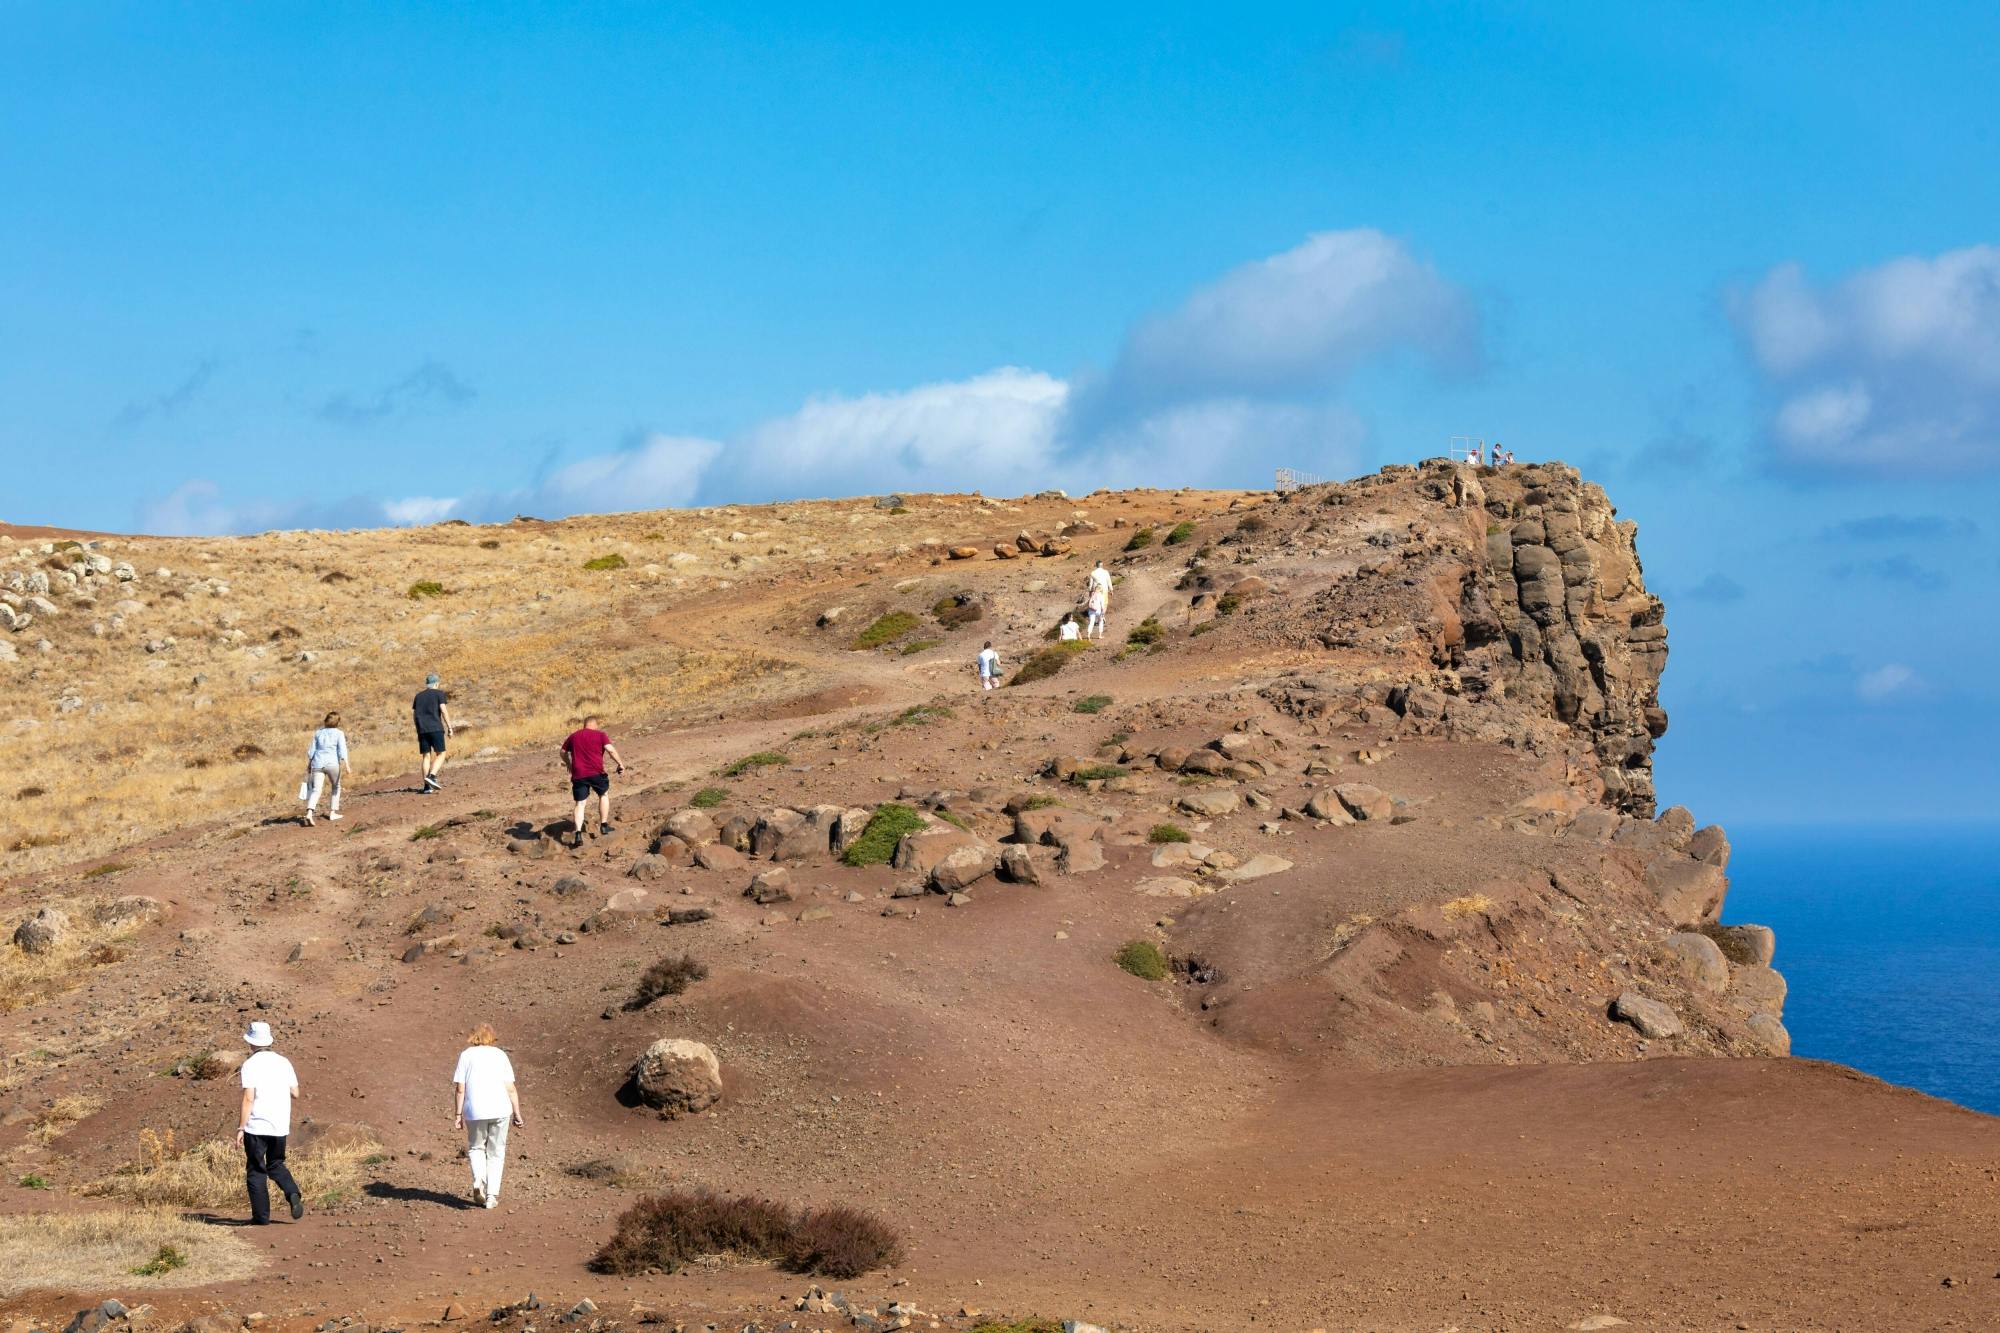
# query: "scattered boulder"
{"type": "Point", "coordinates": [719, 856]}
{"type": "Point", "coordinates": [847, 829]}
{"type": "Point", "coordinates": [693, 827]}
{"type": "Point", "coordinates": [770, 886]}
{"type": "Point", "coordinates": [1257, 867]}
{"type": "Point", "coordinates": [1364, 801]}
{"type": "Point", "coordinates": [1018, 865]}
{"type": "Point", "coordinates": [963, 866]}
{"type": "Point", "coordinates": [1212, 803]}
{"type": "Point", "coordinates": [735, 832]}
{"type": "Point", "coordinates": [130, 910]}
{"type": "Point", "coordinates": [677, 1077]}
{"type": "Point", "coordinates": [1652, 1018]}
{"type": "Point", "coordinates": [1325, 805]}
{"type": "Point", "coordinates": [924, 850]}
{"type": "Point", "coordinates": [650, 867]}
{"type": "Point", "coordinates": [1746, 946]}
{"type": "Point", "coordinates": [963, 553]}
{"type": "Point", "coordinates": [1080, 856]}
{"type": "Point", "coordinates": [534, 847]}
{"type": "Point", "coordinates": [42, 932]}
{"type": "Point", "coordinates": [1769, 1033]}
{"type": "Point", "coordinates": [1690, 892]}
{"type": "Point", "coordinates": [569, 886]}
{"type": "Point", "coordinates": [1709, 844]}
{"type": "Point", "coordinates": [1761, 987]}
{"type": "Point", "coordinates": [1699, 959]}
{"type": "Point", "coordinates": [788, 835]}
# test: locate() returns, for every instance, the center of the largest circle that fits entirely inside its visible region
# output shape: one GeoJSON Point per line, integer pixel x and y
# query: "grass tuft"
{"type": "Point", "coordinates": [886, 628]}
{"type": "Point", "coordinates": [1227, 604]}
{"type": "Point", "coordinates": [165, 1260]}
{"type": "Point", "coordinates": [1042, 801]}
{"type": "Point", "coordinates": [919, 646]}
{"type": "Point", "coordinates": [920, 715]}
{"type": "Point", "coordinates": [1139, 540]}
{"type": "Point", "coordinates": [877, 844]}
{"type": "Point", "coordinates": [113, 1249]}
{"type": "Point", "coordinates": [1183, 532]}
{"type": "Point", "coordinates": [1164, 833]}
{"type": "Point", "coordinates": [1143, 959]}
{"type": "Point", "coordinates": [427, 831]}
{"type": "Point", "coordinates": [761, 759]}
{"type": "Point", "coordinates": [1098, 773]}
{"type": "Point", "coordinates": [1146, 631]}
{"type": "Point", "coordinates": [1095, 703]}
{"type": "Point", "coordinates": [709, 797]}
{"type": "Point", "coordinates": [423, 588]}
{"type": "Point", "coordinates": [33, 1181]}
{"type": "Point", "coordinates": [610, 560]}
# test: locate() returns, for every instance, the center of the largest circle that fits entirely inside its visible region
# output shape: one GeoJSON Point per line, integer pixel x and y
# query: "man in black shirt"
{"type": "Point", "coordinates": [433, 717]}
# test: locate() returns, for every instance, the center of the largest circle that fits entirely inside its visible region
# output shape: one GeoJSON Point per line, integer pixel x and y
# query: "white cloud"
{"type": "Point", "coordinates": [995, 431]}
{"type": "Point", "coordinates": [1895, 366]}
{"type": "Point", "coordinates": [659, 471]}
{"type": "Point", "coordinates": [1295, 322]}
{"type": "Point", "coordinates": [1885, 682]}
{"type": "Point", "coordinates": [419, 509]}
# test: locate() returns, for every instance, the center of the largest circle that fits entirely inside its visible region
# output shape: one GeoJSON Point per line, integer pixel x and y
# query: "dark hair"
{"type": "Point", "coordinates": [332, 719]}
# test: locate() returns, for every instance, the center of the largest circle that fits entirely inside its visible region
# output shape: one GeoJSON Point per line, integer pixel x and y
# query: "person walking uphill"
{"type": "Point", "coordinates": [1097, 601]}
{"type": "Point", "coordinates": [483, 1100]}
{"type": "Point", "coordinates": [432, 712]}
{"type": "Point", "coordinates": [270, 1086]}
{"type": "Point", "coordinates": [326, 761]}
{"type": "Point", "coordinates": [584, 752]}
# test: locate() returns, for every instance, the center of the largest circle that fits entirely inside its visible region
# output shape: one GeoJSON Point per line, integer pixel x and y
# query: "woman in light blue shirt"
{"type": "Point", "coordinates": [326, 761]}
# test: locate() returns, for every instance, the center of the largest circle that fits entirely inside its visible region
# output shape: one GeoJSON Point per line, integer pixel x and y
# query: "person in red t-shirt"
{"type": "Point", "coordinates": [584, 753]}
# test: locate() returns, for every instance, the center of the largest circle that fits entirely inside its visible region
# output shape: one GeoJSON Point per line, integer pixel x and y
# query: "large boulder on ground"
{"type": "Point", "coordinates": [848, 828]}
{"type": "Point", "coordinates": [1676, 826]}
{"type": "Point", "coordinates": [650, 866]}
{"type": "Point", "coordinates": [1769, 1032]}
{"type": "Point", "coordinates": [1053, 825]}
{"type": "Point", "coordinates": [1652, 1018]}
{"type": "Point", "coordinates": [1690, 892]}
{"type": "Point", "coordinates": [1258, 866]}
{"type": "Point", "coordinates": [964, 866]}
{"type": "Point", "coordinates": [1325, 805]}
{"type": "Point", "coordinates": [770, 886]}
{"type": "Point", "coordinates": [1018, 864]}
{"type": "Point", "coordinates": [789, 835]}
{"type": "Point", "coordinates": [735, 832]}
{"type": "Point", "coordinates": [677, 1077]}
{"type": "Point", "coordinates": [693, 827]}
{"type": "Point", "coordinates": [134, 909]}
{"type": "Point", "coordinates": [42, 932]}
{"type": "Point", "coordinates": [1698, 958]}
{"type": "Point", "coordinates": [1365, 801]}
{"type": "Point", "coordinates": [924, 850]}
{"type": "Point", "coordinates": [1080, 856]}
{"type": "Point", "coordinates": [1212, 802]}
{"type": "Point", "coordinates": [1710, 844]}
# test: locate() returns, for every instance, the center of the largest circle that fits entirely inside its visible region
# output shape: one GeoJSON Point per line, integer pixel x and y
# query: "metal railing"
{"type": "Point", "coordinates": [1290, 479]}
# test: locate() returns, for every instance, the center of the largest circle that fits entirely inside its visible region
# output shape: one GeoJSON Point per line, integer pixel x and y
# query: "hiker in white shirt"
{"type": "Point", "coordinates": [325, 762]}
{"type": "Point", "coordinates": [1095, 606]}
{"type": "Point", "coordinates": [989, 667]}
{"type": "Point", "coordinates": [1069, 631]}
{"type": "Point", "coordinates": [483, 1100]}
{"type": "Point", "coordinates": [270, 1086]}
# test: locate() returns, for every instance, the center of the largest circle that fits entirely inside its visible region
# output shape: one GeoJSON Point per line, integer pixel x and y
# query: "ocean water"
{"type": "Point", "coordinates": [1890, 940]}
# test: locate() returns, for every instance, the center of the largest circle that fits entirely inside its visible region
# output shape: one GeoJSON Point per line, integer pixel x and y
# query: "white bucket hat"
{"type": "Point", "coordinates": [259, 1034]}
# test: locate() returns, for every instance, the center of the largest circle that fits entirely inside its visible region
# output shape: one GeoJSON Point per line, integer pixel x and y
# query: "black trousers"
{"type": "Point", "coordinates": [264, 1161]}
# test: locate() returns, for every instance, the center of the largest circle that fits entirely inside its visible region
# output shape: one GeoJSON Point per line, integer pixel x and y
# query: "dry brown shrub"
{"type": "Point", "coordinates": [667, 1230]}
{"type": "Point", "coordinates": [62, 1115]}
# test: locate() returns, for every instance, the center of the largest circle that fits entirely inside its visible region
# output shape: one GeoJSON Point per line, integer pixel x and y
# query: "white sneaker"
{"type": "Point", "coordinates": [479, 1196]}
{"type": "Point", "coordinates": [309, 818]}
{"type": "Point", "coordinates": [493, 1201]}
{"type": "Point", "coordinates": [336, 816]}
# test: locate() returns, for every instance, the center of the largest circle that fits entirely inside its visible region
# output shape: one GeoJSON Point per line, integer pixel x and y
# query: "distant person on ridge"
{"type": "Point", "coordinates": [584, 752]}
{"type": "Point", "coordinates": [989, 667]}
{"type": "Point", "coordinates": [264, 1122]}
{"type": "Point", "coordinates": [326, 760]}
{"type": "Point", "coordinates": [483, 1100]}
{"type": "Point", "coordinates": [432, 713]}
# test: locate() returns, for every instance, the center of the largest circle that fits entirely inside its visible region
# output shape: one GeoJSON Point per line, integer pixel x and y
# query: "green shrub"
{"type": "Point", "coordinates": [165, 1260]}
{"type": "Point", "coordinates": [761, 759]}
{"type": "Point", "coordinates": [1041, 801]}
{"type": "Point", "coordinates": [1183, 531]}
{"type": "Point", "coordinates": [1143, 959]}
{"type": "Point", "coordinates": [887, 628]}
{"type": "Point", "coordinates": [1227, 604]}
{"type": "Point", "coordinates": [425, 588]}
{"type": "Point", "coordinates": [956, 820]}
{"type": "Point", "coordinates": [427, 831]}
{"type": "Point", "coordinates": [108, 868]}
{"type": "Point", "coordinates": [1018, 1326]}
{"type": "Point", "coordinates": [958, 609]}
{"type": "Point", "coordinates": [709, 797]}
{"type": "Point", "coordinates": [1163, 833]}
{"type": "Point", "coordinates": [1139, 540]}
{"type": "Point", "coordinates": [1148, 630]}
{"type": "Point", "coordinates": [1096, 703]}
{"type": "Point", "coordinates": [1098, 773]}
{"type": "Point", "coordinates": [877, 844]}
{"type": "Point", "coordinates": [611, 561]}
{"type": "Point", "coordinates": [669, 976]}
{"type": "Point", "coordinates": [899, 510]}
{"type": "Point", "coordinates": [32, 1181]}
{"type": "Point", "coordinates": [1201, 629]}
{"type": "Point", "coordinates": [1252, 524]}
{"type": "Point", "coordinates": [1047, 661]}
{"type": "Point", "coordinates": [919, 646]}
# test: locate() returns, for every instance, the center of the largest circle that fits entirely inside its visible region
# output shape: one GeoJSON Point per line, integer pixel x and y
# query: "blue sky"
{"type": "Point", "coordinates": [295, 264]}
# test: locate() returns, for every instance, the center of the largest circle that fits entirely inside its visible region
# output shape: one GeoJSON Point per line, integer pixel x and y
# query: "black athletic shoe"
{"type": "Point", "coordinates": [603, 830]}
{"type": "Point", "coordinates": [298, 1202]}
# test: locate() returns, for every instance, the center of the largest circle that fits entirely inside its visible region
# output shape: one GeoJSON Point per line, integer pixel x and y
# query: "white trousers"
{"type": "Point", "coordinates": [1095, 627]}
{"type": "Point", "coordinates": [486, 1149]}
{"type": "Point", "coordinates": [322, 779]}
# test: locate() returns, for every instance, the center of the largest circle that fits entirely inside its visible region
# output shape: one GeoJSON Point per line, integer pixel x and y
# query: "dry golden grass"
{"type": "Point", "coordinates": [103, 1249]}
{"type": "Point", "coordinates": [210, 1175]}
{"type": "Point", "coordinates": [28, 979]}
{"type": "Point", "coordinates": [1470, 905]}
{"type": "Point", "coordinates": [62, 1115]}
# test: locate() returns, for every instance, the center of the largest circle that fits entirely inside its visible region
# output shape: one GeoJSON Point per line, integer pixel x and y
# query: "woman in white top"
{"type": "Point", "coordinates": [483, 1100]}
{"type": "Point", "coordinates": [1069, 631]}
{"type": "Point", "coordinates": [326, 761]}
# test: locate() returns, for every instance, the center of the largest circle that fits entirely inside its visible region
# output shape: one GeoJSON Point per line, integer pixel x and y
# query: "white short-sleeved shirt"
{"type": "Point", "coordinates": [485, 1072]}
{"type": "Point", "coordinates": [1068, 630]}
{"type": "Point", "coordinates": [1101, 578]}
{"type": "Point", "coordinates": [989, 662]}
{"type": "Point", "coordinates": [270, 1078]}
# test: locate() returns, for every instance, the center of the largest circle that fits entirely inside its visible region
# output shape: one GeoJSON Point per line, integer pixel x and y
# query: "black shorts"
{"type": "Point", "coordinates": [430, 742]}
{"type": "Point", "coordinates": [581, 788]}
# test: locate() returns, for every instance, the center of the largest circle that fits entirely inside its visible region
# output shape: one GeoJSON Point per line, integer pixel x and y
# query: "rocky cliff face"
{"type": "Point", "coordinates": [1557, 617]}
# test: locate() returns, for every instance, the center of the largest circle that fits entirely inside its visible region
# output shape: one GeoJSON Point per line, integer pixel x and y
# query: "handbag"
{"type": "Point", "coordinates": [306, 789]}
